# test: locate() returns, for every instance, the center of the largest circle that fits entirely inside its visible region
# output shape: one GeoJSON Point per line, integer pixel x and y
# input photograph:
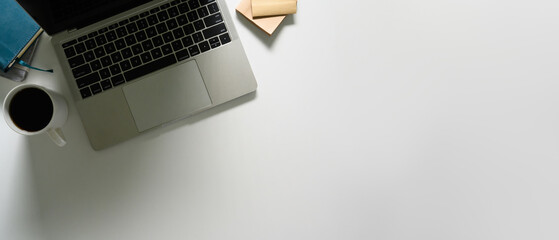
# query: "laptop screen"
{"type": "Point", "coordinates": [58, 15]}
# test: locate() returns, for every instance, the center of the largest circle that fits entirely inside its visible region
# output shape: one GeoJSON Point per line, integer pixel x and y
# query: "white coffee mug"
{"type": "Point", "coordinates": [32, 109]}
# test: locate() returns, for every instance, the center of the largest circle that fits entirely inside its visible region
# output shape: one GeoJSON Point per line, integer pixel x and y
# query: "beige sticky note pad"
{"type": "Point", "coordinates": [267, 24]}
{"type": "Point", "coordinates": [264, 8]}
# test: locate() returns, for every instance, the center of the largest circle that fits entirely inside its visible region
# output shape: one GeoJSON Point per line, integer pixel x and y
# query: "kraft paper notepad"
{"type": "Point", "coordinates": [265, 8]}
{"type": "Point", "coordinates": [267, 24]}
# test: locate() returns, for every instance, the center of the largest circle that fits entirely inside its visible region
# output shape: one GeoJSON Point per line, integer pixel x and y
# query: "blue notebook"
{"type": "Point", "coordinates": [17, 32]}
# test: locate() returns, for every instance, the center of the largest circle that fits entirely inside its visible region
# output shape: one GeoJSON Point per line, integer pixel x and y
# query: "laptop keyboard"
{"type": "Point", "coordinates": [139, 45]}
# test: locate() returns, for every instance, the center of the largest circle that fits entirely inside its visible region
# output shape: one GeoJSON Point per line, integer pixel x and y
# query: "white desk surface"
{"type": "Point", "coordinates": [373, 120]}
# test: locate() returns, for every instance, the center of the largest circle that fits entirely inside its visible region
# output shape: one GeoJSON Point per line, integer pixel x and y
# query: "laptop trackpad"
{"type": "Point", "coordinates": [168, 95]}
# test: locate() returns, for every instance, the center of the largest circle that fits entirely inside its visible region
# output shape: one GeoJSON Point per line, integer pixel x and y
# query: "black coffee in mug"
{"type": "Point", "coordinates": [31, 109]}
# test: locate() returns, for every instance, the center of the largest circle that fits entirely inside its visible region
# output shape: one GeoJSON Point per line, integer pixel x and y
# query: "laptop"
{"type": "Point", "coordinates": [133, 65]}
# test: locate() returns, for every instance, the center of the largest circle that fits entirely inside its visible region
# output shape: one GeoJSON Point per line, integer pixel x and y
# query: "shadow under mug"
{"type": "Point", "coordinates": [32, 109]}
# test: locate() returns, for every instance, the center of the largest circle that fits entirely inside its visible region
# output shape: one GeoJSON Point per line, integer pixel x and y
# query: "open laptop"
{"type": "Point", "coordinates": [132, 65]}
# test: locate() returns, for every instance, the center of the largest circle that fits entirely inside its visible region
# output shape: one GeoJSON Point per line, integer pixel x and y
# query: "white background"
{"type": "Point", "coordinates": [374, 119]}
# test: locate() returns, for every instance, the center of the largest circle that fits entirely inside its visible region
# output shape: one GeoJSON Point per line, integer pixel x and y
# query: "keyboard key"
{"type": "Point", "coordinates": [199, 25]}
{"type": "Point", "coordinates": [182, 20]}
{"type": "Point", "coordinates": [156, 53]}
{"type": "Point", "coordinates": [188, 29]}
{"type": "Point", "coordinates": [193, 4]}
{"type": "Point", "coordinates": [101, 40]}
{"type": "Point", "coordinates": [95, 65]}
{"type": "Point", "coordinates": [85, 92]}
{"type": "Point", "coordinates": [157, 41]}
{"type": "Point", "coordinates": [141, 36]}
{"type": "Point", "coordinates": [204, 46]}
{"type": "Point", "coordinates": [214, 31]}
{"type": "Point", "coordinates": [161, 28]}
{"type": "Point", "coordinates": [213, 19]}
{"type": "Point", "coordinates": [116, 57]}
{"type": "Point", "coordinates": [70, 52]}
{"type": "Point", "coordinates": [99, 52]}
{"type": "Point", "coordinates": [106, 61]}
{"type": "Point", "coordinates": [105, 73]}
{"type": "Point", "coordinates": [81, 71]}
{"type": "Point", "coordinates": [177, 45]}
{"type": "Point", "coordinates": [82, 38]}
{"type": "Point", "coordinates": [111, 36]}
{"type": "Point", "coordinates": [214, 42]}
{"type": "Point", "coordinates": [202, 12]}
{"type": "Point", "coordinates": [204, 2]}
{"type": "Point", "coordinates": [168, 37]}
{"type": "Point", "coordinates": [178, 33]}
{"type": "Point", "coordinates": [88, 80]}
{"type": "Point", "coordinates": [136, 61]}
{"type": "Point", "coordinates": [120, 44]}
{"type": "Point", "coordinates": [110, 48]}
{"type": "Point", "coordinates": [137, 49]}
{"type": "Point", "coordinates": [80, 48]}
{"type": "Point", "coordinates": [142, 23]}
{"type": "Point", "coordinates": [117, 80]}
{"type": "Point", "coordinates": [103, 30]}
{"type": "Point", "coordinates": [76, 61]}
{"type": "Point", "coordinates": [91, 35]}
{"type": "Point", "coordinates": [150, 67]}
{"type": "Point", "coordinates": [132, 28]}
{"type": "Point", "coordinates": [182, 55]}
{"type": "Point", "coordinates": [194, 50]}
{"type": "Point", "coordinates": [175, 2]}
{"type": "Point", "coordinates": [147, 45]}
{"type": "Point", "coordinates": [154, 10]}
{"type": "Point", "coordinates": [130, 40]}
{"type": "Point", "coordinates": [90, 44]}
{"type": "Point", "coordinates": [197, 37]}
{"type": "Point", "coordinates": [225, 38]}
{"type": "Point", "coordinates": [152, 20]}
{"type": "Point", "coordinates": [166, 49]}
{"type": "Point", "coordinates": [146, 57]}
{"type": "Point", "coordinates": [165, 6]}
{"type": "Point", "coordinates": [192, 16]}
{"type": "Point", "coordinates": [115, 69]}
{"type": "Point", "coordinates": [125, 65]}
{"type": "Point", "coordinates": [172, 24]}
{"type": "Point", "coordinates": [162, 16]}
{"type": "Point", "coordinates": [89, 56]}
{"type": "Point", "coordinates": [123, 22]}
{"type": "Point", "coordinates": [187, 41]}
{"type": "Point", "coordinates": [113, 26]}
{"type": "Point", "coordinates": [106, 84]}
{"type": "Point", "coordinates": [121, 32]}
{"type": "Point", "coordinates": [151, 32]}
{"type": "Point", "coordinates": [183, 7]}
{"type": "Point", "coordinates": [213, 8]}
{"type": "Point", "coordinates": [70, 43]}
{"type": "Point", "coordinates": [126, 53]}
{"type": "Point", "coordinates": [96, 88]}
{"type": "Point", "coordinates": [144, 14]}
{"type": "Point", "coordinates": [173, 12]}
{"type": "Point", "coordinates": [134, 18]}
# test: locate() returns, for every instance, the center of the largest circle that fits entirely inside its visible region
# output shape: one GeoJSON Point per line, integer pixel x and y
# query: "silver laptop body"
{"type": "Point", "coordinates": [124, 105]}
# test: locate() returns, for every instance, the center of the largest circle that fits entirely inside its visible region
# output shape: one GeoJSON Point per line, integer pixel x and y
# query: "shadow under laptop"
{"type": "Point", "coordinates": [79, 191]}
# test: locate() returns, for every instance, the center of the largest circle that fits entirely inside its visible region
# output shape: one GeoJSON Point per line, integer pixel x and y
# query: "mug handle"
{"type": "Point", "coordinates": [57, 136]}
